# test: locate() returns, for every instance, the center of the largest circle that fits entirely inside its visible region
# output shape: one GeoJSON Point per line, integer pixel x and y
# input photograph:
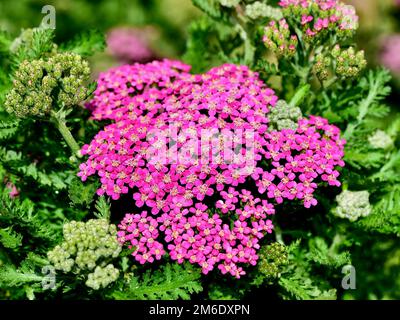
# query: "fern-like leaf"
{"type": "Point", "coordinates": [210, 7]}
{"type": "Point", "coordinates": [86, 44]}
{"type": "Point", "coordinates": [8, 128]}
{"type": "Point", "coordinates": [170, 282]}
{"type": "Point", "coordinates": [9, 238]}
{"type": "Point", "coordinates": [103, 208]}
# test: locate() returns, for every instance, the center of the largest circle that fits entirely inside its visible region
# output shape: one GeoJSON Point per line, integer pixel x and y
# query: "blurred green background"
{"type": "Point", "coordinates": [162, 24]}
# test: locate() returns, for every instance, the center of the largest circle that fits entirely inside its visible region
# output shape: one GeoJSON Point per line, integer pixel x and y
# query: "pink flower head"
{"type": "Point", "coordinates": [129, 45]}
{"type": "Point", "coordinates": [167, 146]}
{"type": "Point", "coordinates": [390, 53]}
{"type": "Point", "coordinates": [318, 15]}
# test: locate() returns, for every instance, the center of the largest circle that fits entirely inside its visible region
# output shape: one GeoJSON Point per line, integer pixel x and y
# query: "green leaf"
{"type": "Point", "coordinates": [169, 282]}
{"type": "Point", "coordinates": [376, 85]}
{"type": "Point", "coordinates": [5, 42]}
{"type": "Point", "coordinates": [20, 216]}
{"type": "Point", "coordinates": [359, 159]}
{"type": "Point", "coordinates": [57, 180]}
{"type": "Point", "coordinates": [210, 7]}
{"type": "Point", "coordinates": [81, 193]}
{"type": "Point", "coordinates": [37, 44]}
{"type": "Point", "coordinates": [299, 280]}
{"type": "Point", "coordinates": [8, 128]}
{"type": "Point", "coordinates": [11, 277]}
{"type": "Point", "coordinates": [198, 46]}
{"type": "Point", "coordinates": [385, 216]}
{"type": "Point", "coordinates": [320, 253]}
{"type": "Point", "coordinates": [302, 288]}
{"type": "Point", "coordinates": [10, 239]}
{"type": "Point", "coordinates": [103, 208]}
{"type": "Point", "coordinates": [86, 44]}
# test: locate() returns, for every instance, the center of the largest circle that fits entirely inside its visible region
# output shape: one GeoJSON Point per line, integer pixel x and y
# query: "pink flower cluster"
{"type": "Point", "coordinates": [277, 37]}
{"type": "Point", "coordinates": [128, 45]}
{"type": "Point", "coordinates": [318, 15]}
{"type": "Point", "coordinates": [299, 158]}
{"type": "Point", "coordinates": [123, 86]}
{"type": "Point", "coordinates": [212, 213]}
{"type": "Point", "coordinates": [198, 234]}
{"type": "Point", "coordinates": [390, 53]}
{"type": "Point", "coordinates": [13, 191]}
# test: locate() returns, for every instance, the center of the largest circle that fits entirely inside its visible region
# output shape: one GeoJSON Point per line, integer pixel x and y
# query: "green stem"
{"type": "Point", "coordinates": [301, 72]}
{"type": "Point", "coordinates": [248, 51]}
{"type": "Point", "coordinates": [299, 95]}
{"type": "Point", "coordinates": [392, 162]}
{"type": "Point", "coordinates": [241, 24]}
{"type": "Point", "coordinates": [66, 134]}
{"type": "Point", "coordinates": [327, 84]}
{"type": "Point", "coordinates": [278, 234]}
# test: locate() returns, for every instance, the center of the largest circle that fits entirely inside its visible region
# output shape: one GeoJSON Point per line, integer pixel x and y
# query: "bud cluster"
{"type": "Point", "coordinates": [39, 85]}
{"type": "Point", "coordinates": [272, 258]}
{"type": "Point", "coordinates": [277, 37]}
{"type": "Point", "coordinates": [345, 63]}
{"type": "Point", "coordinates": [320, 17]}
{"type": "Point", "coordinates": [353, 205]}
{"type": "Point", "coordinates": [259, 9]}
{"type": "Point", "coordinates": [321, 66]}
{"type": "Point", "coordinates": [284, 116]}
{"type": "Point", "coordinates": [86, 246]}
{"type": "Point", "coordinates": [349, 63]}
{"type": "Point", "coordinates": [102, 277]}
{"type": "Point", "coordinates": [380, 140]}
{"type": "Point", "coordinates": [229, 3]}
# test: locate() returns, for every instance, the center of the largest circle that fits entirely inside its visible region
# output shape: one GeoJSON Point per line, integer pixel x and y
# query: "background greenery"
{"type": "Point", "coordinates": [176, 25]}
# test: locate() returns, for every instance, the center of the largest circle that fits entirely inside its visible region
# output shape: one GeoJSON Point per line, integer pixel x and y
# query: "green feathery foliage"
{"type": "Point", "coordinates": [169, 282]}
{"type": "Point", "coordinates": [86, 44]}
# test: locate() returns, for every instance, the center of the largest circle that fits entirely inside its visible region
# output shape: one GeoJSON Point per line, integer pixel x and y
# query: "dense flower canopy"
{"type": "Point", "coordinates": [197, 152]}
{"type": "Point", "coordinates": [316, 19]}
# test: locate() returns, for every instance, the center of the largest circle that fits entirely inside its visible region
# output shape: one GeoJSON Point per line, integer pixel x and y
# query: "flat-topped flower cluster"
{"type": "Point", "coordinates": [318, 15]}
{"type": "Point", "coordinates": [212, 209]}
{"type": "Point", "coordinates": [315, 19]}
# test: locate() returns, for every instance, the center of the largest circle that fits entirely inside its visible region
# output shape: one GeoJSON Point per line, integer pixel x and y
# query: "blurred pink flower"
{"type": "Point", "coordinates": [13, 191]}
{"type": "Point", "coordinates": [129, 45]}
{"type": "Point", "coordinates": [390, 53]}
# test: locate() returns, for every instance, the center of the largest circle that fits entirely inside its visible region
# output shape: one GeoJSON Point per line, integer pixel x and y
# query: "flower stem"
{"type": "Point", "coordinates": [299, 95]}
{"type": "Point", "coordinates": [241, 25]}
{"type": "Point", "coordinates": [66, 133]}
{"type": "Point", "coordinates": [278, 234]}
{"type": "Point", "coordinates": [330, 82]}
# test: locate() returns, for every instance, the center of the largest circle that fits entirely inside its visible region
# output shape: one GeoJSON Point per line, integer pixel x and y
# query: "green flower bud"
{"type": "Point", "coordinates": [229, 3]}
{"type": "Point", "coordinates": [86, 244]}
{"type": "Point", "coordinates": [353, 205]}
{"type": "Point", "coordinates": [283, 116]}
{"type": "Point", "coordinates": [258, 10]}
{"type": "Point", "coordinates": [102, 277]}
{"type": "Point", "coordinates": [349, 63]}
{"type": "Point", "coordinates": [380, 140]}
{"type": "Point", "coordinates": [321, 67]}
{"type": "Point", "coordinates": [42, 85]}
{"type": "Point", "coordinates": [271, 260]}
